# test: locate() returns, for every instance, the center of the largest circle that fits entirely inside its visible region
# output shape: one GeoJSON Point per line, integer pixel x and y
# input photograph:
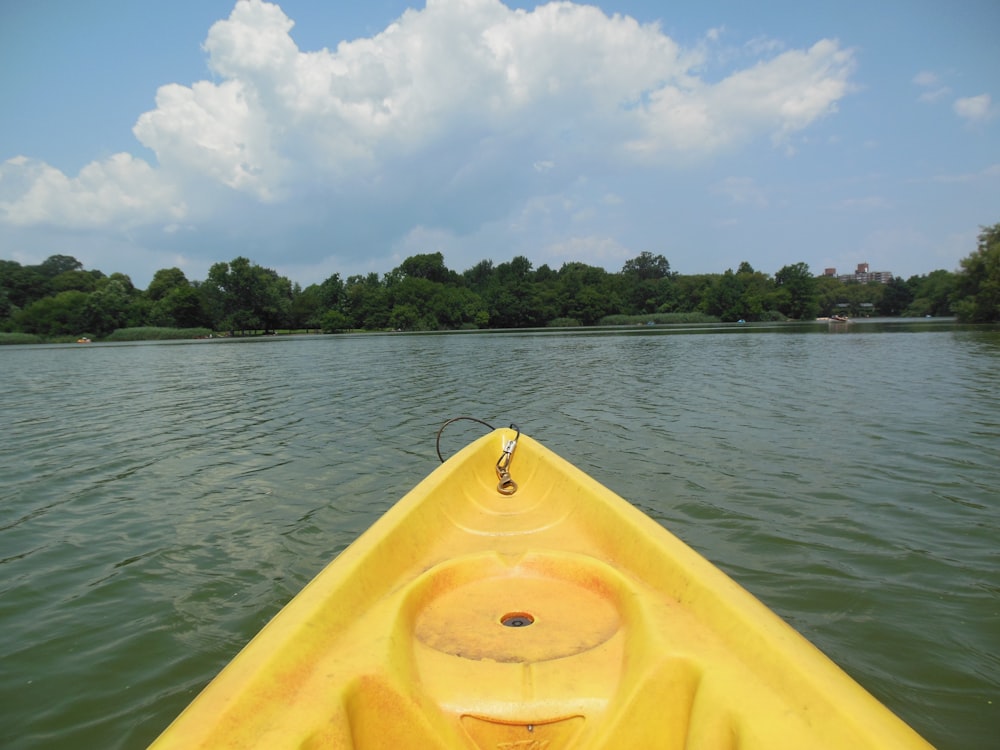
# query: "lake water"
{"type": "Point", "coordinates": [160, 502]}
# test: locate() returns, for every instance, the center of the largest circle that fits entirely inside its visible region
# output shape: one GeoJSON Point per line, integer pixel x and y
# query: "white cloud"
{"type": "Point", "coordinates": [120, 190]}
{"type": "Point", "coordinates": [448, 119]}
{"type": "Point", "coordinates": [933, 95]}
{"type": "Point", "coordinates": [213, 132]}
{"type": "Point", "coordinates": [763, 46]}
{"type": "Point", "coordinates": [975, 108]}
{"type": "Point", "coordinates": [933, 88]}
{"type": "Point", "coordinates": [777, 97]}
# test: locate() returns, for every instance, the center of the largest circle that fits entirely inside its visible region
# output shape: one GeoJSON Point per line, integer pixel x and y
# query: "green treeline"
{"type": "Point", "coordinates": [59, 298]}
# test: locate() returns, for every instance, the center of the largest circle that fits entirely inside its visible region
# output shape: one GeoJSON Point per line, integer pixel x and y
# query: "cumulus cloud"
{"type": "Point", "coordinates": [120, 190]}
{"type": "Point", "coordinates": [463, 102]}
{"type": "Point", "coordinates": [975, 108]}
{"type": "Point", "coordinates": [779, 97]}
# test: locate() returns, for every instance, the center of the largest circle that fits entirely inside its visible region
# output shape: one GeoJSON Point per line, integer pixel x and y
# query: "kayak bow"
{"type": "Point", "coordinates": [554, 616]}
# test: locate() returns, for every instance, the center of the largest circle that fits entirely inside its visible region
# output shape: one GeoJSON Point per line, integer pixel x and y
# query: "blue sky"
{"type": "Point", "coordinates": [317, 137]}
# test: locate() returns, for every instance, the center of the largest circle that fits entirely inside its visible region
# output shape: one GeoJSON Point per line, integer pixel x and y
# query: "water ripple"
{"type": "Point", "coordinates": [161, 502]}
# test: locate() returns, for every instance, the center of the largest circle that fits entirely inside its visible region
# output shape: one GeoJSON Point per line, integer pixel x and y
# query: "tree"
{"type": "Point", "coordinates": [81, 281]}
{"type": "Point", "coordinates": [896, 297]}
{"type": "Point", "coordinates": [273, 297]}
{"type": "Point", "coordinates": [647, 266]}
{"type": "Point", "coordinates": [22, 284]}
{"type": "Point", "coordinates": [796, 292]}
{"type": "Point", "coordinates": [757, 292]}
{"type": "Point", "coordinates": [646, 283]}
{"type": "Point", "coordinates": [585, 293]}
{"type": "Point", "coordinates": [406, 317]}
{"type": "Point", "coordinates": [57, 264]}
{"type": "Point", "coordinates": [332, 292]}
{"type": "Point", "coordinates": [509, 308]}
{"type": "Point", "coordinates": [108, 308]}
{"type": "Point", "coordinates": [6, 310]}
{"type": "Point", "coordinates": [366, 302]}
{"type": "Point", "coordinates": [860, 299]}
{"type": "Point", "coordinates": [932, 294]}
{"type": "Point", "coordinates": [428, 266]}
{"type": "Point", "coordinates": [308, 310]}
{"type": "Point", "coordinates": [458, 307]}
{"type": "Point", "coordinates": [480, 275]}
{"type": "Point", "coordinates": [242, 296]}
{"type": "Point", "coordinates": [65, 313]}
{"type": "Point", "coordinates": [232, 287]}
{"type": "Point", "coordinates": [510, 298]}
{"type": "Point", "coordinates": [744, 295]}
{"type": "Point", "coordinates": [181, 307]}
{"type": "Point", "coordinates": [725, 298]}
{"type": "Point", "coordinates": [411, 301]}
{"type": "Point", "coordinates": [545, 275]}
{"type": "Point", "coordinates": [977, 297]}
{"type": "Point", "coordinates": [689, 293]}
{"type": "Point", "coordinates": [517, 269]}
{"type": "Point", "coordinates": [830, 292]}
{"type": "Point", "coordinates": [335, 321]}
{"type": "Point", "coordinates": [165, 281]}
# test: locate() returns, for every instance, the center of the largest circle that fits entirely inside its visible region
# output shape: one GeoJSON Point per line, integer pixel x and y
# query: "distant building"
{"type": "Point", "coordinates": [862, 275]}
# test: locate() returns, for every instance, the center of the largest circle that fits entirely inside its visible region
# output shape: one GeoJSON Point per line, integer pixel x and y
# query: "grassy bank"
{"type": "Point", "coordinates": [657, 318]}
{"type": "Point", "coordinates": [20, 338]}
{"type": "Point", "coordinates": [156, 333]}
{"type": "Point", "coordinates": [144, 333]}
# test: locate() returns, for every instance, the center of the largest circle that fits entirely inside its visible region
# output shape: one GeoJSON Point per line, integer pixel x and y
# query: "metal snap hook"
{"type": "Point", "coordinates": [507, 486]}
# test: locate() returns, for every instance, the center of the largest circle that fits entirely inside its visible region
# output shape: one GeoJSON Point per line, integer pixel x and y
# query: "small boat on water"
{"type": "Point", "coordinates": [834, 319]}
{"type": "Point", "coordinates": [511, 602]}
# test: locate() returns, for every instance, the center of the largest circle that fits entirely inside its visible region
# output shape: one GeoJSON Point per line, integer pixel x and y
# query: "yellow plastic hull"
{"type": "Point", "coordinates": [617, 635]}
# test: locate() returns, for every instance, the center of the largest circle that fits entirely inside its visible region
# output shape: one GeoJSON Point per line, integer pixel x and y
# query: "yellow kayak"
{"type": "Point", "coordinates": [511, 602]}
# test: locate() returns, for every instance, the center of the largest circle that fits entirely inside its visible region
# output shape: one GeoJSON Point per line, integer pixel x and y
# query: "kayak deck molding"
{"type": "Point", "coordinates": [557, 617]}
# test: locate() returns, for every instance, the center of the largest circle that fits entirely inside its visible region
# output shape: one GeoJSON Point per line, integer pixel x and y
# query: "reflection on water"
{"type": "Point", "coordinates": [161, 501]}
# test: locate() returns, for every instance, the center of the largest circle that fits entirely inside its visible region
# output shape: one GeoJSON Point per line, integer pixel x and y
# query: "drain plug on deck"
{"type": "Point", "coordinates": [517, 620]}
